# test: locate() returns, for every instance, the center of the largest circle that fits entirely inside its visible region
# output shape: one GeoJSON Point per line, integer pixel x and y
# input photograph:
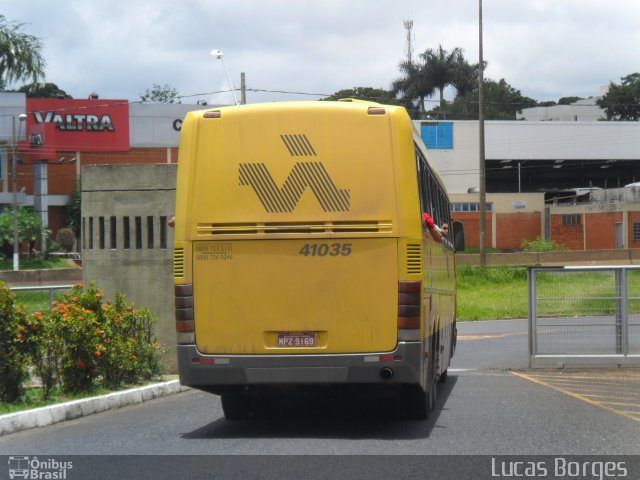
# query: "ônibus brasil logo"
{"type": "Point", "coordinates": [38, 469]}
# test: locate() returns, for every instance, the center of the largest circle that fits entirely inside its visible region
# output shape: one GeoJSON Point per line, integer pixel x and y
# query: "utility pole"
{"type": "Point", "coordinates": [243, 89]}
{"type": "Point", "coordinates": [483, 222]}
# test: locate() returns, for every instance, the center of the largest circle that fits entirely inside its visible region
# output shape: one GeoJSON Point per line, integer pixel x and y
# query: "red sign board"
{"type": "Point", "coordinates": [92, 125]}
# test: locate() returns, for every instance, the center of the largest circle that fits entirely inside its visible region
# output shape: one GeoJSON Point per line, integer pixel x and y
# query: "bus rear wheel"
{"type": "Point", "coordinates": [419, 403]}
{"type": "Point", "coordinates": [235, 406]}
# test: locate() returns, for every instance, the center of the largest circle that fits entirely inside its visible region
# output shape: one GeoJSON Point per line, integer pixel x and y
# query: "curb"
{"type": "Point", "coordinates": [43, 416]}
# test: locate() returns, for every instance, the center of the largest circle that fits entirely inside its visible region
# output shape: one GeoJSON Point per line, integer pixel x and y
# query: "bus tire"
{"type": "Point", "coordinates": [432, 377]}
{"type": "Point", "coordinates": [235, 406]}
{"type": "Point", "coordinates": [419, 403]}
{"type": "Point", "coordinates": [443, 376]}
{"type": "Point", "coordinates": [416, 402]}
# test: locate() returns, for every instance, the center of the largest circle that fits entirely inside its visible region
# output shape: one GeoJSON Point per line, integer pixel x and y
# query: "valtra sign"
{"type": "Point", "coordinates": [84, 125]}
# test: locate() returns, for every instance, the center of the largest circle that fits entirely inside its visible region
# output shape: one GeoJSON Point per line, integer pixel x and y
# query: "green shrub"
{"type": "Point", "coordinates": [85, 340]}
{"type": "Point", "coordinates": [66, 239]}
{"type": "Point", "coordinates": [13, 346]}
{"type": "Point", "coordinates": [30, 229]}
{"type": "Point", "coordinates": [131, 355]}
{"type": "Point", "coordinates": [46, 346]}
{"type": "Point", "coordinates": [541, 245]}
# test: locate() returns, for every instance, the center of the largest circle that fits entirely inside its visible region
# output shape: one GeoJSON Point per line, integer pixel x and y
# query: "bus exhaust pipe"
{"type": "Point", "coordinates": [386, 373]}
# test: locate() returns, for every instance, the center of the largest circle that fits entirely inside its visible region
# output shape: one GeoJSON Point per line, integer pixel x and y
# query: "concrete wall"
{"type": "Point", "coordinates": [582, 111]}
{"type": "Point", "coordinates": [144, 271]}
{"type": "Point", "coordinates": [11, 105]}
{"type": "Point", "coordinates": [585, 258]}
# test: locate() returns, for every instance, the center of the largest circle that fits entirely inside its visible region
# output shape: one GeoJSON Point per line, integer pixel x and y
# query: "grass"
{"type": "Point", "coordinates": [37, 264]}
{"type": "Point", "coordinates": [494, 293]}
{"type": "Point", "coordinates": [37, 300]}
{"type": "Point", "coordinates": [33, 399]}
{"type": "Point", "coordinates": [498, 293]}
{"type": "Point", "coordinates": [33, 396]}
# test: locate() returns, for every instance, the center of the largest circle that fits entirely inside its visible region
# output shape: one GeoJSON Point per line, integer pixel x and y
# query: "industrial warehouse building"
{"type": "Point", "coordinates": [563, 181]}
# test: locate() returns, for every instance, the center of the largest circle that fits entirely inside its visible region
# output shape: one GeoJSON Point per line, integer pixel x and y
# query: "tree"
{"type": "Point", "coordinates": [435, 70]}
{"type": "Point", "coordinates": [413, 88]}
{"type": "Point", "coordinates": [160, 94]}
{"type": "Point", "coordinates": [622, 102]}
{"type": "Point", "coordinates": [442, 68]}
{"type": "Point", "coordinates": [43, 90]}
{"type": "Point", "coordinates": [365, 93]}
{"type": "Point", "coordinates": [73, 211]}
{"type": "Point", "coordinates": [20, 54]}
{"type": "Point", "coordinates": [30, 229]}
{"type": "Point", "coordinates": [501, 101]}
{"type": "Point", "coordinates": [568, 100]}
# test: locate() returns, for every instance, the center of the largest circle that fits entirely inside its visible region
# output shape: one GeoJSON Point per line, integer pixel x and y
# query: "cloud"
{"type": "Point", "coordinates": [545, 48]}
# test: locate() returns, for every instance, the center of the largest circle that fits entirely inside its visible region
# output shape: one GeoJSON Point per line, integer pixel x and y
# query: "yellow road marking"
{"type": "Point", "coordinates": [576, 396]}
{"type": "Point", "coordinates": [577, 380]}
{"type": "Point", "coordinates": [610, 396]}
{"type": "Point", "coordinates": [621, 404]}
{"type": "Point", "coordinates": [619, 388]}
{"type": "Point", "coordinates": [463, 338]}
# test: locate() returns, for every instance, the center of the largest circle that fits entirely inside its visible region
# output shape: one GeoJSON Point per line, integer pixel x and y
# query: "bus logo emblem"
{"type": "Point", "coordinates": [304, 175]}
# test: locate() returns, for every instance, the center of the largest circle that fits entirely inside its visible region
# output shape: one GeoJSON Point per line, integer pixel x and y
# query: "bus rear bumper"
{"type": "Point", "coordinates": [213, 372]}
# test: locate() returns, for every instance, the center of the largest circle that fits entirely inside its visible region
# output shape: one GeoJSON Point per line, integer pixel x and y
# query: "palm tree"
{"type": "Point", "coordinates": [413, 87]}
{"type": "Point", "coordinates": [466, 80]}
{"type": "Point", "coordinates": [441, 67]}
{"type": "Point", "coordinates": [20, 54]}
{"type": "Point", "coordinates": [436, 70]}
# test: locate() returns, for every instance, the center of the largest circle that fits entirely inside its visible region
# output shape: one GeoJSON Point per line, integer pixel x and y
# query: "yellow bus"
{"type": "Point", "coordinates": [301, 259]}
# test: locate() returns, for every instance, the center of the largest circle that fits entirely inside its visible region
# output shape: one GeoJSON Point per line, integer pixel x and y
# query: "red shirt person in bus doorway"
{"type": "Point", "coordinates": [436, 232]}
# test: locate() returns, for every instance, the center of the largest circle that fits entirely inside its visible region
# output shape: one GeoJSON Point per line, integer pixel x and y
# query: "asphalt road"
{"type": "Point", "coordinates": [482, 409]}
{"type": "Point", "coordinates": [490, 405]}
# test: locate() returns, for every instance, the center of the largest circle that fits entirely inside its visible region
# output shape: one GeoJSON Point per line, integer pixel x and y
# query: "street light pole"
{"type": "Point", "coordinates": [483, 221]}
{"type": "Point", "coordinates": [16, 248]}
{"type": "Point", "coordinates": [218, 54]}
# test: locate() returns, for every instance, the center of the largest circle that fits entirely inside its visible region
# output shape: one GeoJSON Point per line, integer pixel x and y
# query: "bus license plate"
{"type": "Point", "coordinates": [296, 340]}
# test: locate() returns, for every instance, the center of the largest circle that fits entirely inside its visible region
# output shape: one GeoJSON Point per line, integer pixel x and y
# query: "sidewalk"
{"type": "Point", "coordinates": [43, 416]}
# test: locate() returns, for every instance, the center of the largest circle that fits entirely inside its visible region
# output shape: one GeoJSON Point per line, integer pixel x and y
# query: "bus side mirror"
{"type": "Point", "coordinates": [458, 236]}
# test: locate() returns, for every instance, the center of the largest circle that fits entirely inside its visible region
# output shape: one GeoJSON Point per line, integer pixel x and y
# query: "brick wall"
{"type": "Point", "coordinates": [513, 228]}
{"type": "Point", "coordinates": [571, 236]}
{"type": "Point", "coordinates": [601, 230]}
{"type": "Point", "coordinates": [471, 223]}
{"type": "Point", "coordinates": [634, 217]}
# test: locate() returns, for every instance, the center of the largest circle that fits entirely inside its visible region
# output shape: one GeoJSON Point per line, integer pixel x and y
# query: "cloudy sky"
{"type": "Point", "coordinates": [545, 48]}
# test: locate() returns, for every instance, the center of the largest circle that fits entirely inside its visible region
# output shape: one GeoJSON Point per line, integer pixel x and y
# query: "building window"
{"type": "Point", "coordinates": [572, 219]}
{"type": "Point", "coordinates": [113, 233]}
{"type": "Point", "coordinates": [437, 135]}
{"type": "Point", "coordinates": [126, 233]}
{"type": "Point", "coordinates": [149, 232]}
{"type": "Point", "coordinates": [90, 233]}
{"type": "Point", "coordinates": [101, 232]}
{"type": "Point", "coordinates": [636, 231]}
{"type": "Point", "coordinates": [84, 233]}
{"type": "Point", "coordinates": [163, 232]}
{"type": "Point", "coordinates": [138, 221]}
{"type": "Point", "coordinates": [470, 207]}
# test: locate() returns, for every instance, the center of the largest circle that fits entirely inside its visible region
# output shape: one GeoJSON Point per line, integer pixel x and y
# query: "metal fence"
{"type": "Point", "coordinates": [49, 288]}
{"type": "Point", "coordinates": [584, 316]}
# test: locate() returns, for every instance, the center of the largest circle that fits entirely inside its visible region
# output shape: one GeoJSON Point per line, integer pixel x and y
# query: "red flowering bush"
{"type": "Point", "coordinates": [13, 346]}
{"type": "Point", "coordinates": [84, 340]}
{"type": "Point", "coordinates": [131, 350]}
{"type": "Point", "coordinates": [46, 345]}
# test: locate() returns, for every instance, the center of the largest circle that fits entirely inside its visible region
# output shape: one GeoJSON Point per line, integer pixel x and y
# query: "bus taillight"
{"type": "Point", "coordinates": [184, 314]}
{"type": "Point", "coordinates": [409, 310]}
